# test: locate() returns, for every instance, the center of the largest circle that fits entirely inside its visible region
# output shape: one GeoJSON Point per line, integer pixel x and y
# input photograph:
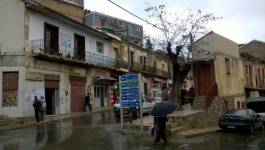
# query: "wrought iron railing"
{"type": "Point", "coordinates": [68, 54]}
{"type": "Point", "coordinates": [101, 60]}
{"type": "Point", "coordinates": [148, 69]}
{"type": "Point", "coordinates": [122, 64]}
{"type": "Point", "coordinates": [163, 73]}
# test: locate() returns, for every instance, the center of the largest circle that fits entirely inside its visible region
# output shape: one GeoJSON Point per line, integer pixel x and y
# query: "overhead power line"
{"type": "Point", "coordinates": [135, 15]}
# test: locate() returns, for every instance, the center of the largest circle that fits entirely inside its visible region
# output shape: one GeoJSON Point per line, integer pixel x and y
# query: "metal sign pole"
{"type": "Point", "coordinates": [121, 106]}
{"type": "Point", "coordinates": [140, 102]}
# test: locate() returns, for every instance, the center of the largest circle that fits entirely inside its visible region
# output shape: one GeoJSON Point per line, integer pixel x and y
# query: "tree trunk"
{"type": "Point", "coordinates": [176, 85]}
{"type": "Point", "coordinates": [179, 75]}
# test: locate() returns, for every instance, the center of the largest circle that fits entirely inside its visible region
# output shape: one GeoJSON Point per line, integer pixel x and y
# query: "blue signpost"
{"type": "Point", "coordinates": [130, 93]}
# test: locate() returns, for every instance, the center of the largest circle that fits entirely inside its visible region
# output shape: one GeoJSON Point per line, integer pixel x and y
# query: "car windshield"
{"type": "Point", "coordinates": [239, 112]}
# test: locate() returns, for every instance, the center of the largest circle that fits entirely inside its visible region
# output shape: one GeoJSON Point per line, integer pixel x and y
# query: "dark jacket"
{"type": "Point", "coordinates": [37, 104]}
{"type": "Point", "coordinates": [160, 122]}
{"type": "Point", "coordinates": [87, 100]}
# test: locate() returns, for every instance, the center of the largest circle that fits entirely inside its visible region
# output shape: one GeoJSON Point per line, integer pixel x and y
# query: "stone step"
{"type": "Point", "coordinates": [172, 125]}
{"type": "Point", "coordinates": [8, 122]}
{"type": "Point", "coordinates": [189, 119]}
{"type": "Point", "coordinates": [2, 117]}
{"type": "Point", "coordinates": [177, 129]}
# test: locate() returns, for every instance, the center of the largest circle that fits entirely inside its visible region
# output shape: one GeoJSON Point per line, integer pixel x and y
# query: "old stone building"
{"type": "Point", "coordinates": [70, 8]}
{"type": "Point", "coordinates": [52, 56]}
{"type": "Point", "coordinates": [218, 74]}
{"type": "Point", "coordinates": [47, 51]}
{"type": "Point", "coordinates": [153, 66]}
{"type": "Point", "coordinates": [128, 31]}
{"type": "Point", "coordinates": [253, 57]}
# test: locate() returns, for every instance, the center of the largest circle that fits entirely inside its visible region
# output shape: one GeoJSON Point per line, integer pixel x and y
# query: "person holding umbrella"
{"type": "Point", "coordinates": [160, 128]}
{"type": "Point", "coordinates": [160, 112]}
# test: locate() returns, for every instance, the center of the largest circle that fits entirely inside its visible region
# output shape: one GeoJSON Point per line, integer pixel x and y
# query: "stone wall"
{"type": "Point", "coordinates": [218, 107]}
{"type": "Point", "coordinates": [199, 102]}
{"type": "Point", "coordinates": [195, 120]}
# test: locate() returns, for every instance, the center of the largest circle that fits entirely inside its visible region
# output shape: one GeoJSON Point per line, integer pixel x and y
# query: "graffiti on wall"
{"type": "Point", "coordinates": [39, 92]}
{"type": "Point", "coordinates": [66, 39]}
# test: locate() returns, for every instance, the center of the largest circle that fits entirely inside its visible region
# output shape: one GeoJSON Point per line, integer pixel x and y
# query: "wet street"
{"type": "Point", "coordinates": [98, 132]}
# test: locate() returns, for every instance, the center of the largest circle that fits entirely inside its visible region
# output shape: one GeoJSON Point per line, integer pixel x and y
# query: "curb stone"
{"type": "Point", "coordinates": [199, 132]}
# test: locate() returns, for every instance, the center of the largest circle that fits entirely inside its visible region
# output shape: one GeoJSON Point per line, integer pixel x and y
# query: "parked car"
{"type": "Point", "coordinates": [147, 108]}
{"type": "Point", "coordinates": [157, 96]}
{"type": "Point", "coordinates": [262, 117]}
{"type": "Point", "coordinates": [257, 104]}
{"type": "Point", "coordinates": [241, 119]}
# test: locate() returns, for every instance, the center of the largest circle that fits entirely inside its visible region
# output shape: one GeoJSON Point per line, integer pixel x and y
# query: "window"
{"type": "Point", "coordinates": [227, 65]}
{"type": "Point", "coordinates": [144, 62]}
{"type": "Point", "coordinates": [51, 38]}
{"type": "Point", "coordinates": [79, 47]}
{"type": "Point", "coordinates": [263, 73]}
{"type": "Point", "coordinates": [10, 88]}
{"type": "Point", "coordinates": [163, 66]}
{"type": "Point", "coordinates": [100, 47]}
{"type": "Point", "coordinates": [131, 58]}
{"type": "Point", "coordinates": [250, 75]}
{"type": "Point", "coordinates": [145, 89]}
{"type": "Point", "coordinates": [259, 77]}
{"type": "Point", "coordinates": [141, 59]}
{"type": "Point", "coordinates": [246, 70]}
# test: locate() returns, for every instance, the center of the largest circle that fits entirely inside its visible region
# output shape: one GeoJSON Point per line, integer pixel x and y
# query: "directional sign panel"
{"type": "Point", "coordinates": [130, 90]}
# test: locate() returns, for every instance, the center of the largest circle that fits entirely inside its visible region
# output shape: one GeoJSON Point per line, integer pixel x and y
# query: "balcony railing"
{"type": "Point", "coordinates": [100, 60]}
{"type": "Point", "coordinates": [122, 64]}
{"type": "Point", "coordinates": [148, 69]}
{"type": "Point", "coordinates": [67, 53]}
{"type": "Point", "coordinates": [163, 73]}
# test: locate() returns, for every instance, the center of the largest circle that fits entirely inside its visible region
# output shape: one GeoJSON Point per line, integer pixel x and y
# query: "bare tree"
{"type": "Point", "coordinates": [178, 33]}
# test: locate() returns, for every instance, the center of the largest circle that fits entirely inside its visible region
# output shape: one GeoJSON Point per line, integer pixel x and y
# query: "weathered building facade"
{"type": "Point", "coordinates": [218, 73]}
{"type": "Point", "coordinates": [50, 53]}
{"type": "Point", "coordinates": [54, 57]}
{"type": "Point", "coordinates": [73, 9]}
{"type": "Point", "coordinates": [153, 66]}
{"type": "Point", "coordinates": [253, 57]}
{"type": "Point", "coordinates": [127, 30]}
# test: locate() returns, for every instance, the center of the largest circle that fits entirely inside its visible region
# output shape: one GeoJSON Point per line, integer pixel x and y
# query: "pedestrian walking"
{"type": "Point", "coordinates": [37, 108]}
{"type": "Point", "coordinates": [87, 102]}
{"type": "Point", "coordinates": [182, 96]}
{"type": "Point", "coordinates": [164, 94]}
{"type": "Point", "coordinates": [160, 127]}
{"type": "Point", "coordinates": [43, 108]}
{"type": "Point", "coordinates": [191, 95]}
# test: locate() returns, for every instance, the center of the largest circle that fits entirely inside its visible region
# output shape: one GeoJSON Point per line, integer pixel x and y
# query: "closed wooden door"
{"type": "Point", "coordinates": [77, 95]}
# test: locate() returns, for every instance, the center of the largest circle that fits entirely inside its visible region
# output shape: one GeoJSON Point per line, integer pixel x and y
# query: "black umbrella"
{"type": "Point", "coordinates": [164, 108]}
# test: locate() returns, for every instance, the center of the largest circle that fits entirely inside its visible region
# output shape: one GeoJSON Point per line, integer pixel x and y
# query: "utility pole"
{"type": "Point", "coordinates": [129, 66]}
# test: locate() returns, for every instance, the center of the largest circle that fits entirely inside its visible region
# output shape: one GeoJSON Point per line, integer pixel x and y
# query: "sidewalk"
{"type": "Point", "coordinates": [17, 123]}
{"type": "Point", "coordinates": [178, 123]}
{"type": "Point", "coordinates": [198, 132]}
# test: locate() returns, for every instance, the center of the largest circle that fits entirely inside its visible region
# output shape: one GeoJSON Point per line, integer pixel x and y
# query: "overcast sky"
{"type": "Point", "coordinates": [242, 20]}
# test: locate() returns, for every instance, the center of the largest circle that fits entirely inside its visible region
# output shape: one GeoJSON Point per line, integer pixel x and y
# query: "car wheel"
{"type": "Point", "coordinates": [251, 129]}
